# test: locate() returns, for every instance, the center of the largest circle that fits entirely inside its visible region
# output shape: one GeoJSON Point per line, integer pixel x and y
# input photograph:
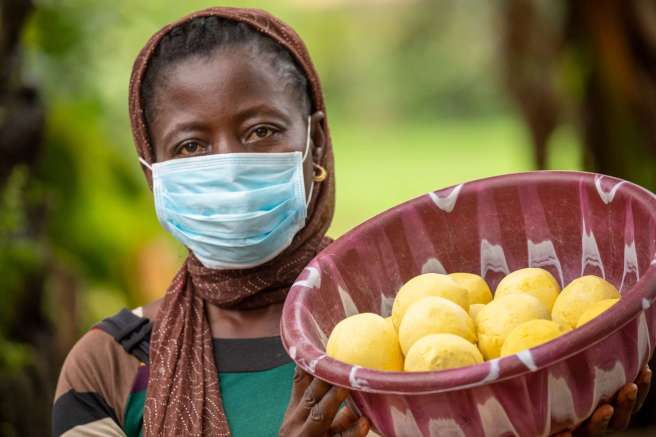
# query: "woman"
{"type": "Point", "coordinates": [229, 122]}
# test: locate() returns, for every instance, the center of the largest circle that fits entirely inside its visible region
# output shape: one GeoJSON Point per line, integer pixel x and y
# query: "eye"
{"type": "Point", "coordinates": [259, 133]}
{"type": "Point", "coordinates": [191, 148]}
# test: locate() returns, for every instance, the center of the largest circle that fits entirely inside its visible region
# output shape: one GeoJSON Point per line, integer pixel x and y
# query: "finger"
{"type": "Point", "coordinates": [344, 419]}
{"type": "Point", "coordinates": [626, 400]}
{"type": "Point", "coordinates": [644, 384]}
{"type": "Point", "coordinates": [359, 429]}
{"type": "Point", "coordinates": [311, 396]}
{"type": "Point", "coordinates": [323, 413]}
{"type": "Point", "coordinates": [598, 423]}
{"type": "Point", "coordinates": [301, 382]}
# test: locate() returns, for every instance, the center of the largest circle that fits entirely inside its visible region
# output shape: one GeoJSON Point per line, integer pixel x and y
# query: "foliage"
{"type": "Point", "coordinates": [20, 259]}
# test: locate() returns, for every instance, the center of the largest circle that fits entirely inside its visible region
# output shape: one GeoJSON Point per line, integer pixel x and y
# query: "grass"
{"type": "Point", "coordinates": [379, 167]}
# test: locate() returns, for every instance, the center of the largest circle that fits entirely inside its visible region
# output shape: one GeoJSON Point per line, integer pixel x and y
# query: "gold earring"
{"type": "Point", "coordinates": [322, 175]}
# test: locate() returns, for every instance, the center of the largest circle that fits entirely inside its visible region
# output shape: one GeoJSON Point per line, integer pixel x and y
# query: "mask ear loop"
{"type": "Point", "coordinates": [307, 202]}
{"type": "Point", "coordinates": [143, 161]}
{"type": "Point", "coordinates": [307, 140]}
{"type": "Point", "coordinates": [305, 154]}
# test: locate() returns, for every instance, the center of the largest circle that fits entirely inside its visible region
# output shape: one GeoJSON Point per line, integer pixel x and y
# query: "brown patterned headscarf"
{"type": "Point", "coordinates": [183, 391]}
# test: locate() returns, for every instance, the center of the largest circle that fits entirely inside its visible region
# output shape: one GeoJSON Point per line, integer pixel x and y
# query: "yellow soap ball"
{"type": "Point", "coordinates": [501, 316]}
{"type": "Point", "coordinates": [577, 298]}
{"type": "Point", "coordinates": [536, 282]}
{"type": "Point", "coordinates": [390, 322]}
{"type": "Point", "coordinates": [428, 284]}
{"type": "Point", "coordinates": [530, 334]}
{"type": "Point", "coordinates": [441, 352]}
{"type": "Point", "coordinates": [595, 310]}
{"type": "Point", "coordinates": [474, 309]}
{"type": "Point", "coordinates": [477, 289]}
{"type": "Point", "coordinates": [366, 340]}
{"type": "Point", "coordinates": [434, 315]}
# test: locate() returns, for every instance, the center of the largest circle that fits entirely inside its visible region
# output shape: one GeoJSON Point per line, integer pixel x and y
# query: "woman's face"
{"type": "Point", "coordinates": [231, 102]}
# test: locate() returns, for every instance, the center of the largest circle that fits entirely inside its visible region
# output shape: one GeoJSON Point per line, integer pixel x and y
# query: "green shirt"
{"type": "Point", "coordinates": [254, 402]}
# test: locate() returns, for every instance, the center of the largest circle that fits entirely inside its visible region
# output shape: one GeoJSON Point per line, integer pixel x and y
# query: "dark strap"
{"type": "Point", "coordinates": [130, 331]}
{"type": "Point", "coordinates": [230, 355]}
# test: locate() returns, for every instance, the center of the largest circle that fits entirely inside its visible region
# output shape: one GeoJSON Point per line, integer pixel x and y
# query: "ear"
{"type": "Point", "coordinates": [318, 136]}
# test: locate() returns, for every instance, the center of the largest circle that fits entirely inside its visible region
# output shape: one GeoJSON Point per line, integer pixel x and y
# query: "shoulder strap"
{"type": "Point", "coordinates": [130, 331]}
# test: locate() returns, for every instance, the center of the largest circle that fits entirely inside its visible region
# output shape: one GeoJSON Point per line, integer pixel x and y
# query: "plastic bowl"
{"type": "Point", "coordinates": [570, 223]}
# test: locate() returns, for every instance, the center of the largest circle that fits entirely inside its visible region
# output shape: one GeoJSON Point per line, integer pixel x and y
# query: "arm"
{"type": "Point", "coordinates": [83, 414]}
{"type": "Point", "coordinates": [91, 389]}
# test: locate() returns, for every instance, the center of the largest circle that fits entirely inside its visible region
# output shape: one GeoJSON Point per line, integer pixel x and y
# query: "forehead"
{"type": "Point", "coordinates": [225, 82]}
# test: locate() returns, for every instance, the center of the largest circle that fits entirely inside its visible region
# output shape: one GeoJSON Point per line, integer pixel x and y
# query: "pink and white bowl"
{"type": "Point", "coordinates": [570, 223]}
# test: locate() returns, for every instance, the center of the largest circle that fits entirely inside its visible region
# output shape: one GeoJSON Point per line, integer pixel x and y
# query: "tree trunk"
{"type": "Point", "coordinates": [28, 356]}
{"type": "Point", "coordinates": [591, 63]}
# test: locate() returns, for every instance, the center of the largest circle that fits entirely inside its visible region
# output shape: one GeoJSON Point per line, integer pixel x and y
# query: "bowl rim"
{"type": "Point", "coordinates": [312, 359]}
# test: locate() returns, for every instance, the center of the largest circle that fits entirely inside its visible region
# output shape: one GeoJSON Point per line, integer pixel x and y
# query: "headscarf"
{"type": "Point", "coordinates": [183, 395]}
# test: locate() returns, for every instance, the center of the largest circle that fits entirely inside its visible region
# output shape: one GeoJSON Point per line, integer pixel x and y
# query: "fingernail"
{"type": "Point", "coordinates": [633, 395]}
{"type": "Point", "coordinates": [609, 414]}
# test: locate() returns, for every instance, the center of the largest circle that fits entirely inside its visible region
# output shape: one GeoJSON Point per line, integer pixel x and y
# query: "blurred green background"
{"type": "Point", "coordinates": [421, 94]}
{"type": "Point", "coordinates": [413, 106]}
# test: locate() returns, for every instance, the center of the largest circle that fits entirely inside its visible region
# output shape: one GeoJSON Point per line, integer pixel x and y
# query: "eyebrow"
{"type": "Point", "coordinates": [262, 108]}
{"type": "Point", "coordinates": [178, 128]}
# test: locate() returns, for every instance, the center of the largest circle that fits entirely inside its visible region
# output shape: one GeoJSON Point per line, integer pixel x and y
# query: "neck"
{"type": "Point", "coordinates": [261, 322]}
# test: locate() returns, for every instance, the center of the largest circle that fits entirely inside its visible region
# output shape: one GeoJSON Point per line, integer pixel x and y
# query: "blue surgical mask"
{"type": "Point", "coordinates": [234, 210]}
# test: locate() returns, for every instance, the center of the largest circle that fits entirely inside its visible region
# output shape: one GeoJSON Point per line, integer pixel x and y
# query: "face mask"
{"type": "Point", "coordinates": [234, 210]}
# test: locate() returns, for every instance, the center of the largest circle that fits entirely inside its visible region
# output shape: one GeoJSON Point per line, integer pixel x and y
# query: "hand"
{"type": "Point", "coordinates": [616, 417]}
{"type": "Point", "coordinates": [314, 411]}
